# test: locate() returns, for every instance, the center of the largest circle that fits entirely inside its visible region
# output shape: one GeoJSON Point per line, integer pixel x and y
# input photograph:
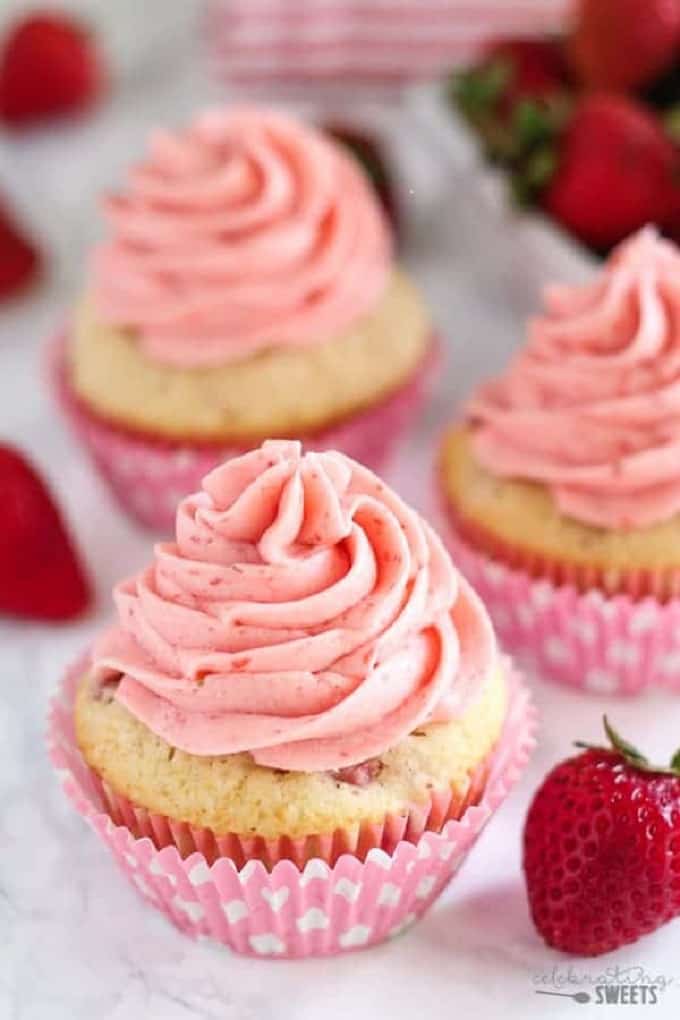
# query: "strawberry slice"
{"type": "Point", "coordinates": [40, 574]}
{"type": "Point", "coordinates": [49, 67]}
{"type": "Point", "coordinates": [19, 260]}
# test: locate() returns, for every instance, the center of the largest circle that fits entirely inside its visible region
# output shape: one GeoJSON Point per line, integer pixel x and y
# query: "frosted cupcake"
{"type": "Point", "coordinates": [299, 685]}
{"type": "Point", "coordinates": [246, 289]}
{"type": "Point", "coordinates": [566, 471]}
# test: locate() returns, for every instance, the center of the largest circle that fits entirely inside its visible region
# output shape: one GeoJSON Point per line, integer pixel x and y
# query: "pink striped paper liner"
{"type": "Point", "coordinates": [358, 841]}
{"type": "Point", "coordinates": [289, 910]}
{"type": "Point", "coordinates": [148, 477]}
{"type": "Point", "coordinates": [605, 644]}
{"type": "Point", "coordinates": [379, 45]}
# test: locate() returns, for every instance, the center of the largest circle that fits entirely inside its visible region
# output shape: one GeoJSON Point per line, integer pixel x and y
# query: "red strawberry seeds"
{"type": "Point", "coordinates": [602, 849]}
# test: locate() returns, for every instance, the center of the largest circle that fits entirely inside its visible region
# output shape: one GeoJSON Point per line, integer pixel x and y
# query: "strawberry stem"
{"type": "Point", "coordinates": [630, 754]}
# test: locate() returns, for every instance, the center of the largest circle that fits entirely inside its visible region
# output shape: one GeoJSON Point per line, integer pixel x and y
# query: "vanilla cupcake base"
{"type": "Point", "coordinates": [290, 911]}
{"type": "Point", "coordinates": [517, 522]}
{"type": "Point", "coordinates": [148, 477]}
{"type": "Point", "coordinates": [431, 773]}
{"type": "Point", "coordinates": [281, 391]}
{"type": "Point", "coordinates": [584, 639]}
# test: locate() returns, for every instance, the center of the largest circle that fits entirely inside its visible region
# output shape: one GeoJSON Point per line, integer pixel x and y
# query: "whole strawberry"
{"type": "Point", "coordinates": [623, 44]}
{"type": "Point", "coordinates": [616, 170]}
{"type": "Point", "coordinates": [531, 68]}
{"type": "Point", "coordinates": [48, 67]}
{"type": "Point", "coordinates": [513, 78]}
{"type": "Point", "coordinates": [602, 849]}
{"type": "Point", "coordinates": [19, 259]}
{"type": "Point", "coordinates": [40, 574]}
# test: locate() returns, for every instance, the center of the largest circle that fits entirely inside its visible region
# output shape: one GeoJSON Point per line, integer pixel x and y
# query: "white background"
{"type": "Point", "coordinates": [75, 941]}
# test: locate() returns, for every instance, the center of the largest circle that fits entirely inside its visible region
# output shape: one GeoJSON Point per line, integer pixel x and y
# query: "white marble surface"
{"type": "Point", "coordinates": [75, 941]}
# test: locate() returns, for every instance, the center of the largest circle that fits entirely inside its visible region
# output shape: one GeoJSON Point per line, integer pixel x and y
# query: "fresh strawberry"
{"type": "Point", "coordinates": [617, 170]}
{"type": "Point", "coordinates": [509, 71]}
{"type": "Point", "coordinates": [518, 90]}
{"type": "Point", "coordinates": [623, 44]}
{"type": "Point", "coordinates": [532, 68]}
{"type": "Point", "coordinates": [48, 67]}
{"type": "Point", "coordinates": [40, 575]}
{"type": "Point", "coordinates": [602, 849]}
{"type": "Point", "coordinates": [19, 260]}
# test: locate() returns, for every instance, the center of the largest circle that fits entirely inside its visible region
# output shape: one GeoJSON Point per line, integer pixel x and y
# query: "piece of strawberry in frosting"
{"type": "Point", "coordinates": [247, 230]}
{"type": "Point", "coordinates": [304, 614]}
{"type": "Point", "coordinates": [590, 407]}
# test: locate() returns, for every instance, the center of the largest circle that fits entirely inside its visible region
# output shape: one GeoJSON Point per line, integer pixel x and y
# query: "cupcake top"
{"type": "Point", "coordinates": [244, 231]}
{"type": "Point", "coordinates": [591, 406]}
{"type": "Point", "coordinates": [304, 614]}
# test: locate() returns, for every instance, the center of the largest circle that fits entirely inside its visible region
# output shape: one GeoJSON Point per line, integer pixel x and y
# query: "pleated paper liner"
{"type": "Point", "coordinates": [347, 895]}
{"type": "Point", "coordinates": [148, 477]}
{"type": "Point", "coordinates": [638, 583]}
{"type": "Point", "coordinates": [358, 841]}
{"type": "Point", "coordinates": [599, 631]}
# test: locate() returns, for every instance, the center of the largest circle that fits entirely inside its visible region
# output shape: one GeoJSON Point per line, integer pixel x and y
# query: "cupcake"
{"type": "Point", "coordinates": [300, 721]}
{"type": "Point", "coordinates": [562, 482]}
{"type": "Point", "coordinates": [246, 289]}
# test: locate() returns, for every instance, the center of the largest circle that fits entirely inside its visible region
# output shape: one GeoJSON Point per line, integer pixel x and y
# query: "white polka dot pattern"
{"type": "Point", "coordinates": [149, 478]}
{"type": "Point", "coordinates": [588, 641]}
{"type": "Point", "coordinates": [286, 911]}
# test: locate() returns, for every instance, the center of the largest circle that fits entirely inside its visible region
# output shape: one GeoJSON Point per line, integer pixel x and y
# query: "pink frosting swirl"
{"type": "Point", "coordinates": [246, 230]}
{"type": "Point", "coordinates": [304, 614]}
{"type": "Point", "coordinates": [591, 406]}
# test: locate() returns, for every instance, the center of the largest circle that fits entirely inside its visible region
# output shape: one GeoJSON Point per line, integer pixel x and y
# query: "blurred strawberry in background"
{"type": "Point", "coordinates": [616, 169]}
{"type": "Point", "coordinates": [40, 573]}
{"type": "Point", "coordinates": [602, 848]}
{"type": "Point", "coordinates": [623, 44]}
{"type": "Point", "coordinates": [19, 259]}
{"type": "Point", "coordinates": [516, 99]}
{"type": "Point", "coordinates": [587, 126]}
{"type": "Point", "coordinates": [49, 67]}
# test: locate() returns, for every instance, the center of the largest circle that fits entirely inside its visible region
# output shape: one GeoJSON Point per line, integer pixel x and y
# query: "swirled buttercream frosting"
{"type": "Point", "coordinates": [590, 407]}
{"type": "Point", "coordinates": [244, 231]}
{"type": "Point", "coordinates": [304, 614]}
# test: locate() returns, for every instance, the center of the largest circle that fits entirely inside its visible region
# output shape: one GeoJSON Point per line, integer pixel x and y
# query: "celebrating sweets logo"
{"type": "Point", "coordinates": [615, 986]}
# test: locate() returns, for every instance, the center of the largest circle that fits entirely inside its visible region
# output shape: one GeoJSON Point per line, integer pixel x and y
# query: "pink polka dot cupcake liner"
{"type": "Point", "coordinates": [328, 905]}
{"type": "Point", "coordinates": [148, 477]}
{"type": "Point", "coordinates": [605, 644]}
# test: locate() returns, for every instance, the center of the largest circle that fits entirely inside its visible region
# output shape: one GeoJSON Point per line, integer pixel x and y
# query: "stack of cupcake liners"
{"type": "Point", "coordinates": [287, 909]}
